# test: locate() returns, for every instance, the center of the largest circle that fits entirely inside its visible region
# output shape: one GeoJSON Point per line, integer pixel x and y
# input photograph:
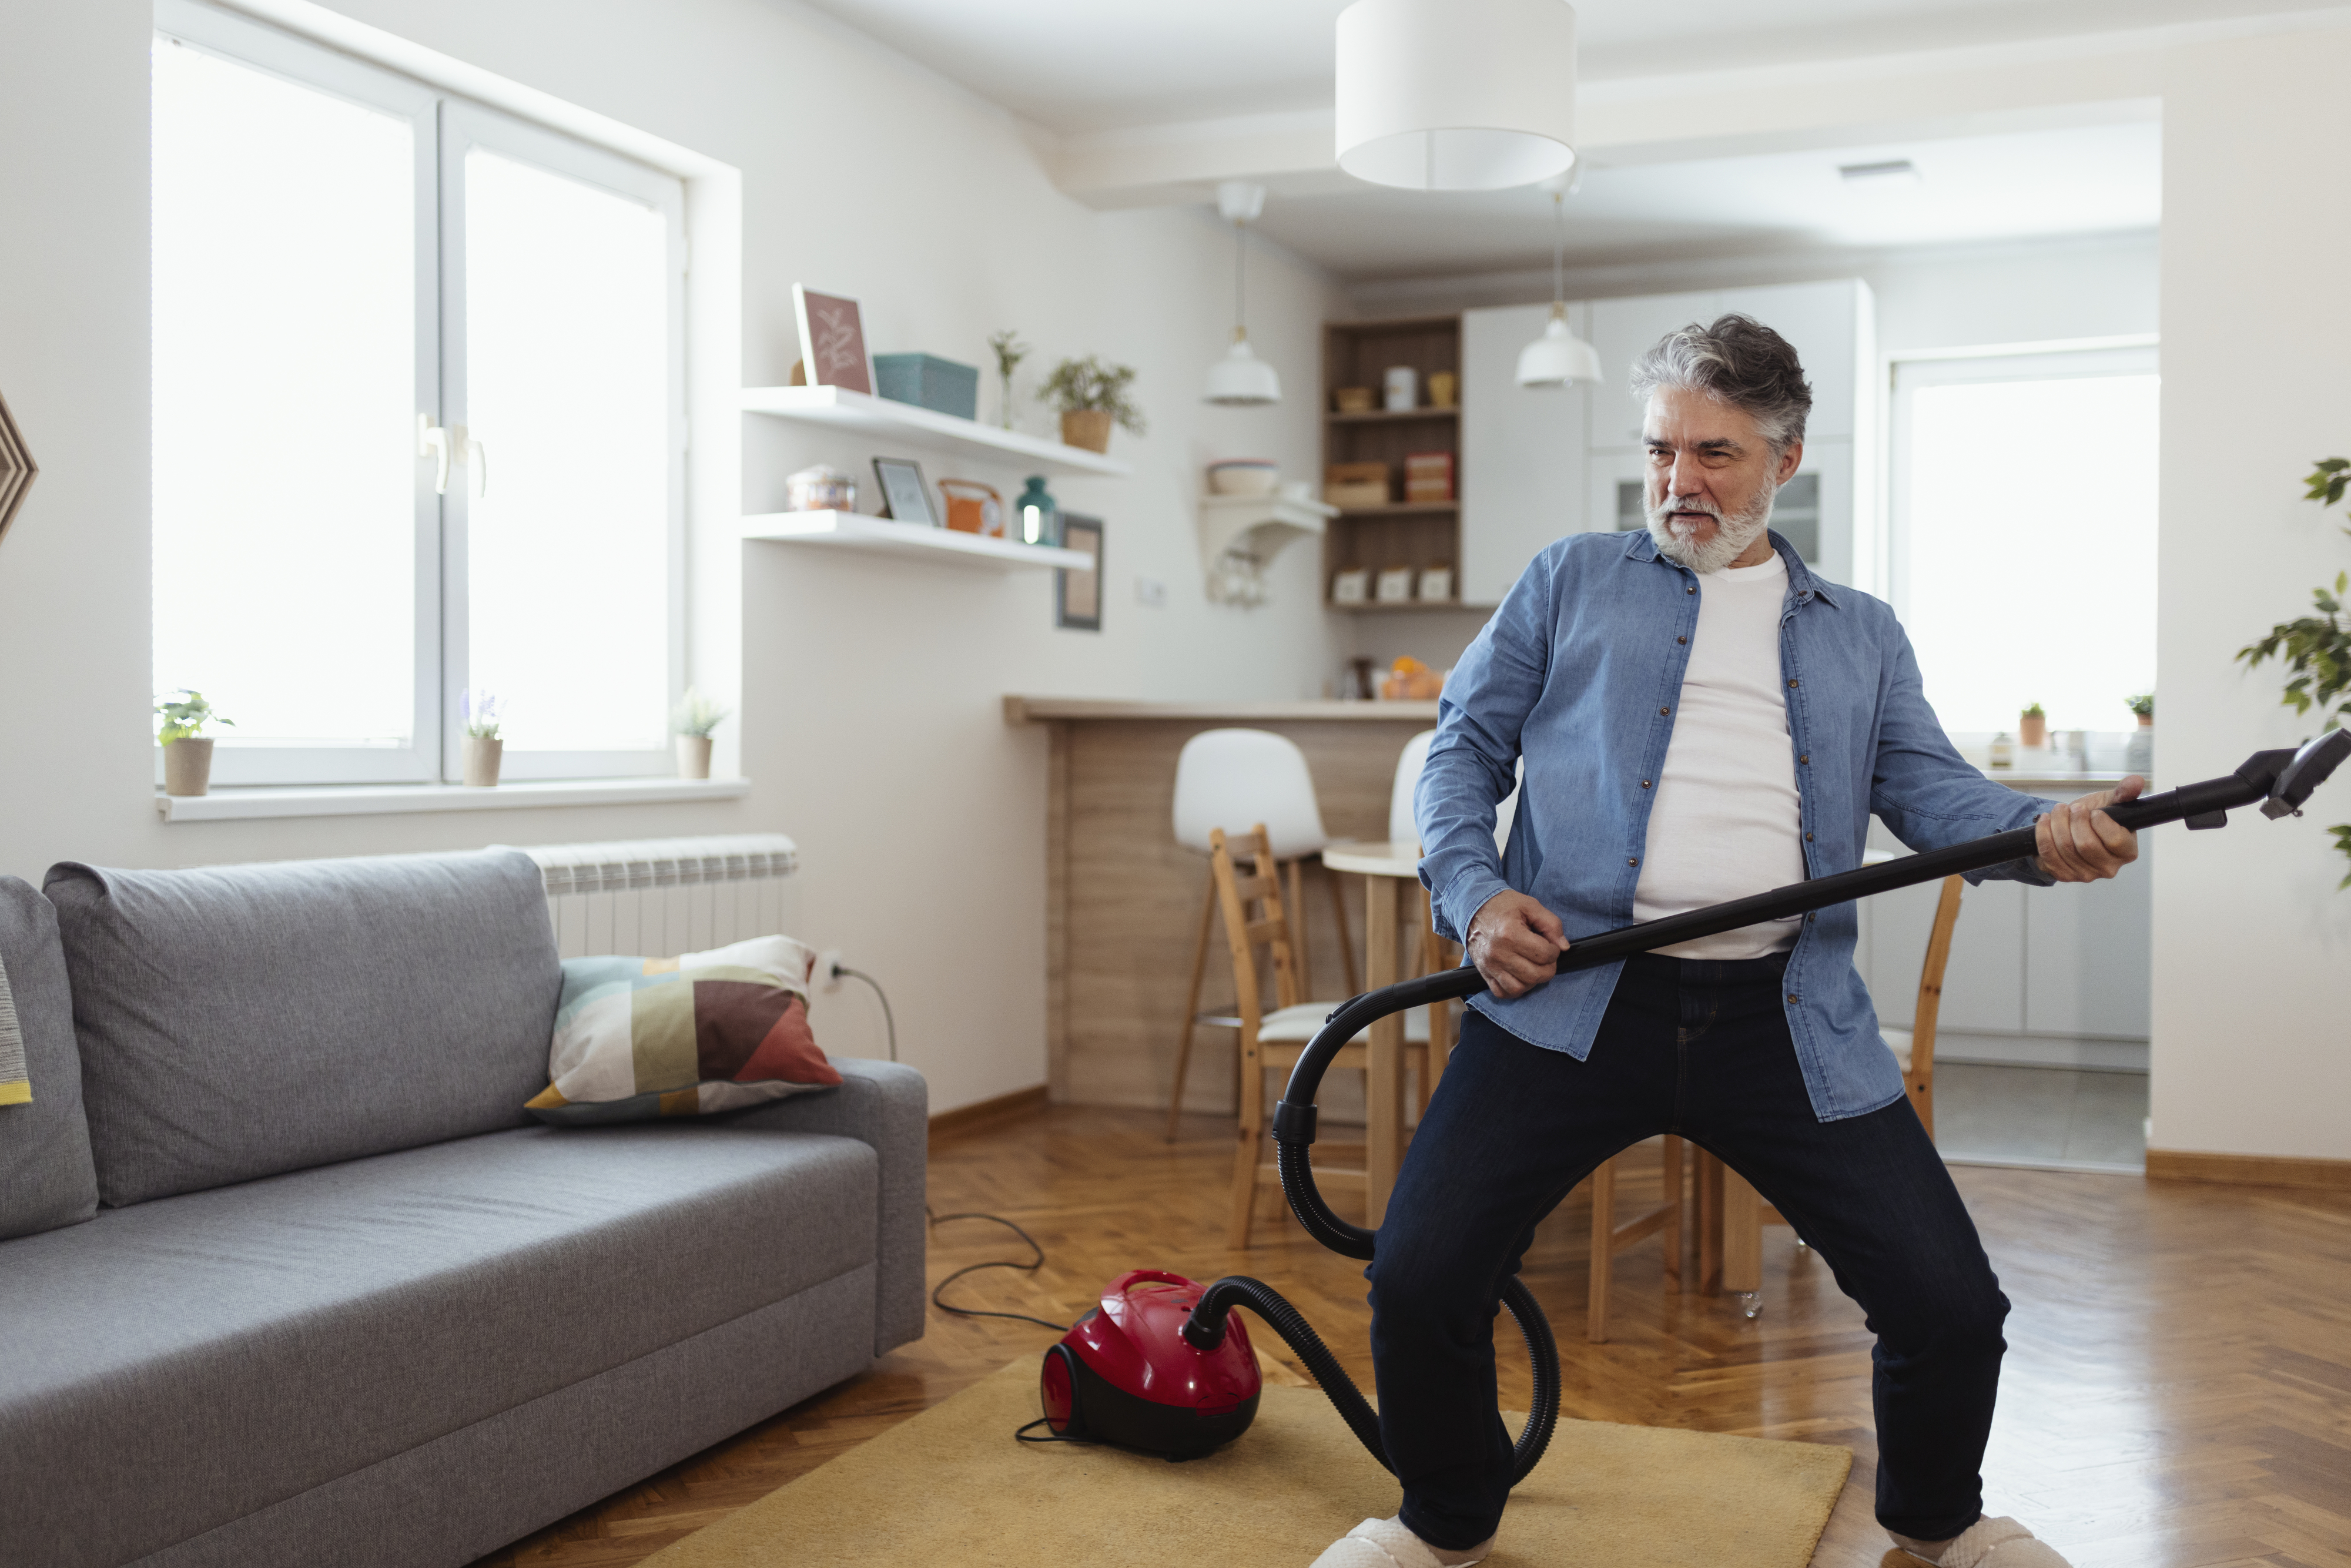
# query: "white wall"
{"type": "Point", "coordinates": [871, 723]}
{"type": "Point", "coordinates": [2252, 943]}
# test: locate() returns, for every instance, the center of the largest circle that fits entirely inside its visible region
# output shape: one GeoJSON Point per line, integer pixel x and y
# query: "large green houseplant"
{"type": "Point", "coordinates": [2316, 649]}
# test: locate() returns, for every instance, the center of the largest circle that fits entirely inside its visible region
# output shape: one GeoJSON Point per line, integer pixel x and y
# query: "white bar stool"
{"type": "Point", "coordinates": [1229, 778]}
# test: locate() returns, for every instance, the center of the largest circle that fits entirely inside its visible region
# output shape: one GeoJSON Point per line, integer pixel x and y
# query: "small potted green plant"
{"type": "Point", "coordinates": [2139, 754]}
{"type": "Point", "coordinates": [1009, 352]}
{"type": "Point", "coordinates": [693, 719]}
{"type": "Point", "coordinates": [2033, 726]}
{"type": "Point", "coordinates": [187, 750]}
{"type": "Point", "coordinates": [1092, 397]}
{"type": "Point", "coordinates": [483, 749]}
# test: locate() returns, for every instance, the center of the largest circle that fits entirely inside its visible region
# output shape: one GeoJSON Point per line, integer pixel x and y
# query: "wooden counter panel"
{"type": "Point", "coordinates": [1125, 898]}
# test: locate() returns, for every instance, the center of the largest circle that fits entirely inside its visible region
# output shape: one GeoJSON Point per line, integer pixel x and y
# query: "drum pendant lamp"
{"type": "Point", "coordinates": [1559, 356]}
{"type": "Point", "coordinates": [1240, 379]}
{"type": "Point", "coordinates": [1457, 95]}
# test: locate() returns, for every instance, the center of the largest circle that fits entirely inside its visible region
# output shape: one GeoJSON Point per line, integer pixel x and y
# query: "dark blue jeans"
{"type": "Point", "coordinates": [1702, 1049]}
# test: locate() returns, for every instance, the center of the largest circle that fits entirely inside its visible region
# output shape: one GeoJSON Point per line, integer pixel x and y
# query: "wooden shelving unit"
{"type": "Point", "coordinates": [1401, 533]}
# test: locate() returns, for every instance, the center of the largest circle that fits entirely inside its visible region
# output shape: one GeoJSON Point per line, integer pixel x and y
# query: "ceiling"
{"type": "Point", "coordinates": [1076, 66]}
{"type": "Point", "coordinates": [2081, 180]}
{"type": "Point", "coordinates": [1080, 67]}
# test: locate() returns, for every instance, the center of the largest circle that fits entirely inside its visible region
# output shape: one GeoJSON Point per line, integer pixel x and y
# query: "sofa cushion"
{"type": "Point", "coordinates": [181, 1363]}
{"type": "Point", "coordinates": [236, 1022]}
{"type": "Point", "coordinates": [46, 1177]}
{"type": "Point", "coordinates": [640, 1038]}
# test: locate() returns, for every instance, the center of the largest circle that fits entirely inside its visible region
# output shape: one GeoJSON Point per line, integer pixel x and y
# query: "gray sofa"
{"type": "Point", "coordinates": [288, 1276]}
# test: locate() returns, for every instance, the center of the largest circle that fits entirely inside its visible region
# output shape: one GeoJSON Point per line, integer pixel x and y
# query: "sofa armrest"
{"type": "Point", "coordinates": [887, 1105]}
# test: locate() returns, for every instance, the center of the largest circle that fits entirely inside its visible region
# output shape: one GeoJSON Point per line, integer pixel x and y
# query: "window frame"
{"type": "Point", "coordinates": [435, 752]}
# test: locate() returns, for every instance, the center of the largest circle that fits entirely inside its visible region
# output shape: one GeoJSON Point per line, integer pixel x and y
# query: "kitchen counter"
{"type": "Point", "coordinates": [1123, 898]}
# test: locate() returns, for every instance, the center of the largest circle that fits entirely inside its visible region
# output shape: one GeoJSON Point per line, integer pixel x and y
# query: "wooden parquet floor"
{"type": "Point", "coordinates": [2177, 1393]}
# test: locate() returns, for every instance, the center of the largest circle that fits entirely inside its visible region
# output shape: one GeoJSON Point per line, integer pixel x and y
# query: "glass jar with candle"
{"type": "Point", "coordinates": [1036, 516]}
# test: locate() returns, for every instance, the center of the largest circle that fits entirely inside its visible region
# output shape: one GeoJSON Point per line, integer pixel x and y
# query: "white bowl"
{"type": "Point", "coordinates": [1243, 478]}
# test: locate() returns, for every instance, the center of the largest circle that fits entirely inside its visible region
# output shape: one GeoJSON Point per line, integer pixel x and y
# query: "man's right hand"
{"type": "Point", "coordinates": [1516, 943]}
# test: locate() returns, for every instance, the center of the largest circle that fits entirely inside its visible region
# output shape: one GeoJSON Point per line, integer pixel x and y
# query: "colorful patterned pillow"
{"type": "Point", "coordinates": [640, 1038]}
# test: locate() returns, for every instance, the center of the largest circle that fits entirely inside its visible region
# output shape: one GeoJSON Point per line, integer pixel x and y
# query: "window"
{"type": "Point", "coordinates": [419, 421]}
{"type": "Point", "coordinates": [2023, 533]}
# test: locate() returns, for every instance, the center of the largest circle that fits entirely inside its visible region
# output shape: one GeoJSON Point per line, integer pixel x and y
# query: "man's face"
{"type": "Point", "coordinates": [1711, 478]}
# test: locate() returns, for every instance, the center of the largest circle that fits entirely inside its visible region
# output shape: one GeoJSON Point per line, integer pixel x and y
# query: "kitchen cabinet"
{"type": "Point", "coordinates": [1831, 325]}
{"type": "Point", "coordinates": [1522, 451]}
{"type": "Point", "coordinates": [2058, 976]}
{"type": "Point", "coordinates": [1815, 510]}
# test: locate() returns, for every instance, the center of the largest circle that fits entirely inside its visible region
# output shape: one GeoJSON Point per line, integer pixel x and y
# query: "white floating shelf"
{"type": "Point", "coordinates": [856, 530]}
{"type": "Point", "coordinates": [921, 426]}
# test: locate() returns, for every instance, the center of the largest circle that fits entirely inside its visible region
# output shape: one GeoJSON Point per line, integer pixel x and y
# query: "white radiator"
{"type": "Point", "coordinates": [665, 896]}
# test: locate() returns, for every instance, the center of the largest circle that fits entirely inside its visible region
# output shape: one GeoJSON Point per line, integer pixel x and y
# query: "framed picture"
{"type": "Point", "coordinates": [903, 495]}
{"type": "Point", "coordinates": [832, 341]}
{"type": "Point", "coordinates": [1077, 593]}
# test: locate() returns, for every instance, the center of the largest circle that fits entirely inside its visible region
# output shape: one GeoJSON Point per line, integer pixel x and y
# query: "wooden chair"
{"type": "Point", "coordinates": [1732, 1211]}
{"type": "Point", "coordinates": [1255, 916]}
{"type": "Point", "coordinates": [1434, 953]}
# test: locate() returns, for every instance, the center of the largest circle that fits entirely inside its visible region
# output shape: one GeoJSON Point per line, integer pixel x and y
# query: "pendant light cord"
{"type": "Point", "coordinates": [1240, 295]}
{"type": "Point", "coordinates": [1558, 248]}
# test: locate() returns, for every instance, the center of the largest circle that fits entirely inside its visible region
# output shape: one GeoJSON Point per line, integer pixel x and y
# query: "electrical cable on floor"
{"type": "Point", "coordinates": [1029, 1268]}
{"type": "Point", "coordinates": [883, 997]}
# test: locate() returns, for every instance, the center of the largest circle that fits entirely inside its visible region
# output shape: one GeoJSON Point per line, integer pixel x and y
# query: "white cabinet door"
{"type": "Point", "coordinates": [2089, 964]}
{"type": "Point", "coordinates": [1623, 330]}
{"type": "Point", "coordinates": [1824, 321]}
{"type": "Point", "coordinates": [1815, 512]}
{"type": "Point", "coordinates": [1523, 458]}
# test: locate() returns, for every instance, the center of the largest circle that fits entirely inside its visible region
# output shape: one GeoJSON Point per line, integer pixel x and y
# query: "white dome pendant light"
{"type": "Point", "coordinates": [1241, 380]}
{"type": "Point", "coordinates": [1457, 95]}
{"type": "Point", "coordinates": [1558, 356]}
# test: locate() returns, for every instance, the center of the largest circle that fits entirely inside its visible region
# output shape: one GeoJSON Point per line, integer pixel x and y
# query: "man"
{"type": "Point", "coordinates": [1701, 718]}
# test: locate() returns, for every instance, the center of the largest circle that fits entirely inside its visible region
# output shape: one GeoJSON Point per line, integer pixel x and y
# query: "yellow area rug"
{"type": "Point", "coordinates": [950, 1486]}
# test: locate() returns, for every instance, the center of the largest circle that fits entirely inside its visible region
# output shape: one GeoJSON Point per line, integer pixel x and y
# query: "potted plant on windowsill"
{"type": "Point", "coordinates": [2033, 726]}
{"type": "Point", "coordinates": [2139, 754]}
{"type": "Point", "coordinates": [187, 750]}
{"type": "Point", "coordinates": [483, 749]}
{"type": "Point", "coordinates": [1092, 397]}
{"type": "Point", "coordinates": [693, 718]}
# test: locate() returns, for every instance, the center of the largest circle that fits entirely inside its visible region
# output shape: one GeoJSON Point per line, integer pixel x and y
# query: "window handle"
{"type": "Point", "coordinates": [446, 445]}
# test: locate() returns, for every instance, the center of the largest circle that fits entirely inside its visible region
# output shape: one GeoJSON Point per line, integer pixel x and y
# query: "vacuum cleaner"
{"type": "Point", "coordinates": [1163, 1366]}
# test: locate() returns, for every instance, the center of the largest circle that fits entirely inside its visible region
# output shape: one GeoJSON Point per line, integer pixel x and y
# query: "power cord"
{"type": "Point", "coordinates": [1029, 1268]}
{"type": "Point", "coordinates": [884, 997]}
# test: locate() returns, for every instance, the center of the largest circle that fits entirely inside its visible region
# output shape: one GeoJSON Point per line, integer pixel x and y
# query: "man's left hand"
{"type": "Point", "coordinates": [2079, 842]}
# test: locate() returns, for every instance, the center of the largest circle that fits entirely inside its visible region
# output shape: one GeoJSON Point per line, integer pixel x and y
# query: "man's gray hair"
{"type": "Point", "coordinates": [1739, 360]}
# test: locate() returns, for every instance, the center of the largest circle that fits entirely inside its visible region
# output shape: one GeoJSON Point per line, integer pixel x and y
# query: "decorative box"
{"type": "Point", "coordinates": [928, 381]}
{"type": "Point", "coordinates": [1355, 484]}
{"type": "Point", "coordinates": [1427, 476]}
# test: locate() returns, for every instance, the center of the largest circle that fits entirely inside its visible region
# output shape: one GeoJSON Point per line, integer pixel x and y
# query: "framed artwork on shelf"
{"type": "Point", "coordinates": [832, 341]}
{"type": "Point", "coordinates": [1077, 593]}
{"type": "Point", "coordinates": [903, 495]}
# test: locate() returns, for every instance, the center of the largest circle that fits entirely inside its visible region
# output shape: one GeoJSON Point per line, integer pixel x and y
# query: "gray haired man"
{"type": "Point", "coordinates": [1701, 718]}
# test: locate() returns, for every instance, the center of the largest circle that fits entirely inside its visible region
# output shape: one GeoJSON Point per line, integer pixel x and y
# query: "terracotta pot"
{"type": "Point", "coordinates": [482, 756]}
{"type": "Point", "coordinates": [694, 757]}
{"type": "Point", "coordinates": [188, 767]}
{"type": "Point", "coordinates": [2147, 721]}
{"type": "Point", "coordinates": [2033, 730]}
{"type": "Point", "coordinates": [1087, 427]}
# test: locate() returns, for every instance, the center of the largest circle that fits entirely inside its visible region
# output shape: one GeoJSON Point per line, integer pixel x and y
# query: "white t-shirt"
{"type": "Point", "coordinates": [1727, 822]}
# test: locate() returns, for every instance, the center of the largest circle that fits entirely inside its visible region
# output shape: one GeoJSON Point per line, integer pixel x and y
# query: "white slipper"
{"type": "Point", "coordinates": [1992, 1543]}
{"type": "Point", "coordinates": [1386, 1543]}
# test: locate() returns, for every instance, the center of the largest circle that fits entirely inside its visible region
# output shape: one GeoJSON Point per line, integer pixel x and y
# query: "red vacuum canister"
{"type": "Point", "coordinates": [1125, 1375]}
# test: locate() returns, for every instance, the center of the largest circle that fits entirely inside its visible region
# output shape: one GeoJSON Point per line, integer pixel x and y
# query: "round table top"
{"type": "Point", "coordinates": [1375, 857]}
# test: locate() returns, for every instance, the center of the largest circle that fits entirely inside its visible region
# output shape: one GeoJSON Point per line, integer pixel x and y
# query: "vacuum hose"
{"type": "Point", "coordinates": [2281, 781]}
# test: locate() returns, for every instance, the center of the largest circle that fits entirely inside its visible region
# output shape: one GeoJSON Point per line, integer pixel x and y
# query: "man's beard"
{"type": "Point", "coordinates": [1732, 533]}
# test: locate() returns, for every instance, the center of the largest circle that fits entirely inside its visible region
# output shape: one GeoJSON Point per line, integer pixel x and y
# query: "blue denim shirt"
{"type": "Point", "coordinates": [1580, 671]}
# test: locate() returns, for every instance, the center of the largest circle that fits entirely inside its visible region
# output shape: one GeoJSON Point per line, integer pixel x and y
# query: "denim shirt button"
{"type": "Point", "coordinates": [1794, 998]}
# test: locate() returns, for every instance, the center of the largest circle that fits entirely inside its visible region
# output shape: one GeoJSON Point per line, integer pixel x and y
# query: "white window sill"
{"type": "Point", "coordinates": [383, 800]}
